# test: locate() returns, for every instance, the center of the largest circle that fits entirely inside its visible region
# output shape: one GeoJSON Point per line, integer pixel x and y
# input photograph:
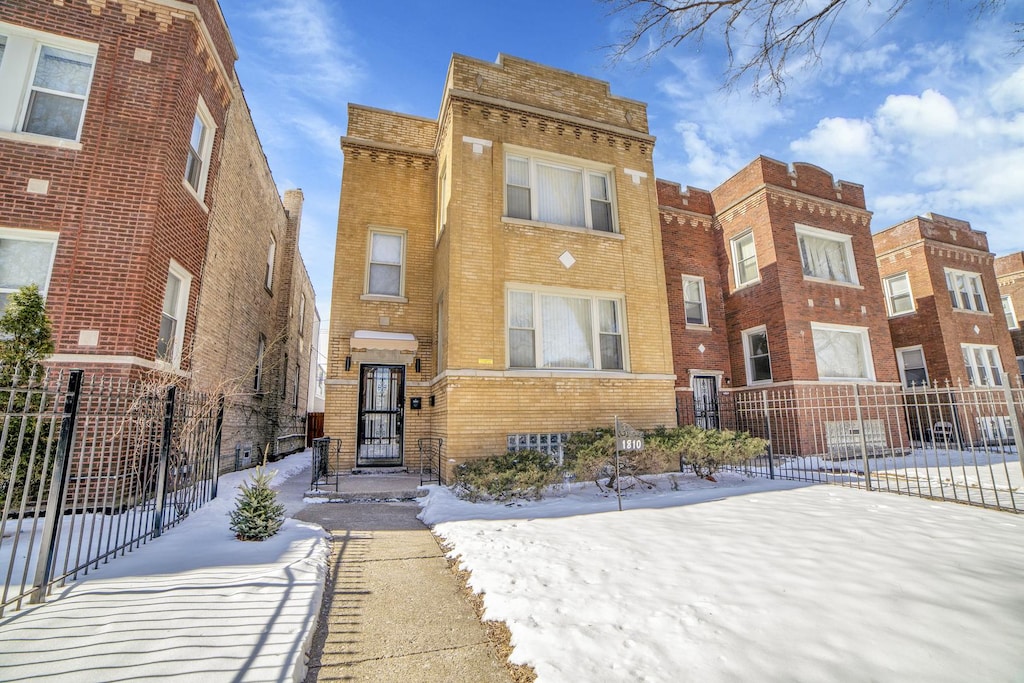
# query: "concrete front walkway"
{"type": "Point", "coordinates": [393, 610]}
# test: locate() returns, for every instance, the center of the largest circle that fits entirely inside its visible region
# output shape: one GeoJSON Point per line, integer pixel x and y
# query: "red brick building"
{"type": "Point", "coordinates": [1010, 277]}
{"type": "Point", "coordinates": [944, 304]}
{"type": "Point", "coordinates": [118, 193]}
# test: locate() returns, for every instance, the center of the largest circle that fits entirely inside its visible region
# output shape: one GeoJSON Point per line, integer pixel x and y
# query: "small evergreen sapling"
{"type": "Point", "coordinates": [257, 515]}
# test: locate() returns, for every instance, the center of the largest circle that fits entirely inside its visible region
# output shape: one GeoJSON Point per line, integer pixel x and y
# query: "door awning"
{"type": "Point", "coordinates": [372, 340]}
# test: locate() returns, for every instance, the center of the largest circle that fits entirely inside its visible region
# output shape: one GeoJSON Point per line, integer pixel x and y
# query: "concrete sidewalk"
{"type": "Point", "coordinates": [393, 610]}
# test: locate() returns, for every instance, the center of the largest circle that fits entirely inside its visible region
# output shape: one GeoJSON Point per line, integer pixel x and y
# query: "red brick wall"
{"type": "Point", "coordinates": [1010, 276]}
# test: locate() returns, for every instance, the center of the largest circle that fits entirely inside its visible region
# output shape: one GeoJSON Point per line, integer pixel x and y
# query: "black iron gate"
{"type": "Point", "coordinates": [381, 403]}
{"type": "Point", "coordinates": [705, 402]}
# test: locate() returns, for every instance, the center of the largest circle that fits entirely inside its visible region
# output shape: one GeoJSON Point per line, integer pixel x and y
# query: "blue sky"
{"type": "Point", "coordinates": [927, 112]}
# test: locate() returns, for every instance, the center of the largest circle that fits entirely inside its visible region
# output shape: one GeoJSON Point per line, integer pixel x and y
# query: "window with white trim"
{"type": "Point", "coordinates": [694, 302]}
{"type": "Point", "coordinates": [756, 356]}
{"type": "Point", "coordinates": [200, 149]}
{"type": "Point", "coordinates": [1020, 366]}
{"type": "Point", "coordinates": [912, 367]}
{"type": "Point", "coordinates": [965, 290]}
{"type": "Point", "coordinates": [442, 200]}
{"type": "Point", "coordinates": [1009, 313]}
{"type": "Point", "coordinates": [826, 255]}
{"type": "Point", "coordinates": [898, 297]}
{"type": "Point", "coordinates": [26, 258]}
{"type": "Point", "coordinates": [573, 331]}
{"type": "Point", "coordinates": [268, 273]}
{"type": "Point", "coordinates": [842, 352]}
{"type": "Point", "coordinates": [261, 350]}
{"type": "Point", "coordinates": [47, 78]}
{"type": "Point", "coordinates": [302, 315]}
{"type": "Point", "coordinates": [298, 378]}
{"type": "Point", "coordinates": [171, 337]}
{"type": "Point", "coordinates": [385, 272]}
{"type": "Point", "coordinates": [744, 259]}
{"type": "Point", "coordinates": [982, 364]}
{"type": "Point", "coordinates": [559, 191]}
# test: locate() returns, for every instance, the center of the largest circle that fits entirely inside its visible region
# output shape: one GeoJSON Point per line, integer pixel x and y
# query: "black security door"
{"type": "Point", "coordinates": [705, 402]}
{"type": "Point", "coordinates": [381, 400]}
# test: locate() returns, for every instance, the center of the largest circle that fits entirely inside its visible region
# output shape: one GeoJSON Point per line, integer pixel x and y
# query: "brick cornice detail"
{"type": "Point", "coordinates": [358, 148]}
{"type": "Point", "coordinates": [670, 215]}
{"type": "Point", "coordinates": [821, 207]}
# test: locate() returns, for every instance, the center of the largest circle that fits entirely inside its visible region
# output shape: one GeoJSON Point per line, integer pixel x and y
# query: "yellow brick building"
{"type": "Point", "coordinates": [499, 276]}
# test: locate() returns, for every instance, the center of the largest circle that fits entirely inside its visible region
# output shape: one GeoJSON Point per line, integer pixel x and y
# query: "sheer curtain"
{"type": "Point", "coordinates": [521, 347]}
{"type": "Point", "coordinates": [65, 72]}
{"type": "Point", "coordinates": [386, 264]}
{"type": "Point", "coordinates": [824, 258]}
{"type": "Point", "coordinates": [840, 354]}
{"type": "Point", "coordinates": [568, 332]}
{"type": "Point", "coordinates": [560, 196]}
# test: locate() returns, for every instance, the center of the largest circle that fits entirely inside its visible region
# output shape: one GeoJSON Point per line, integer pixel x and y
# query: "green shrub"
{"type": "Point", "coordinates": [257, 515]}
{"type": "Point", "coordinates": [512, 475]}
{"type": "Point", "coordinates": [705, 451]}
{"type": "Point", "coordinates": [591, 455]}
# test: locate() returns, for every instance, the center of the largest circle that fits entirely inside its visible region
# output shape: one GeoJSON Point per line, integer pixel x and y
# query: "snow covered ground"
{"type": "Point", "coordinates": [195, 604]}
{"type": "Point", "coordinates": [746, 580]}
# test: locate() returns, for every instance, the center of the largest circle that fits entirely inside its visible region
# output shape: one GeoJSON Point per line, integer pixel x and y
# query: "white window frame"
{"type": "Point", "coordinates": [443, 194]}
{"type": "Point", "coordinates": [302, 314]}
{"type": "Point", "coordinates": [734, 244]}
{"type": "Point", "coordinates": [178, 271]}
{"type": "Point", "coordinates": [956, 295]}
{"type": "Point", "coordinates": [538, 332]}
{"type": "Point", "coordinates": [845, 240]}
{"type": "Point", "coordinates": [268, 273]}
{"type": "Point", "coordinates": [22, 235]}
{"type": "Point", "coordinates": [862, 332]}
{"type": "Point", "coordinates": [748, 359]}
{"type": "Point", "coordinates": [975, 376]}
{"type": "Point", "coordinates": [1009, 313]}
{"type": "Point", "coordinates": [261, 352]}
{"type": "Point", "coordinates": [699, 281]}
{"type": "Point", "coordinates": [901, 362]}
{"type": "Point", "coordinates": [889, 296]}
{"type": "Point", "coordinates": [377, 230]}
{"type": "Point", "coordinates": [17, 73]}
{"type": "Point", "coordinates": [1020, 366]}
{"type": "Point", "coordinates": [204, 153]}
{"type": "Point", "coordinates": [585, 167]}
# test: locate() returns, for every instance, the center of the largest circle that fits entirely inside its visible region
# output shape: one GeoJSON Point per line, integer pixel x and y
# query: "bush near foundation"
{"type": "Point", "coordinates": [510, 476]}
{"type": "Point", "coordinates": [590, 456]}
{"type": "Point", "coordinates": [705, 451]}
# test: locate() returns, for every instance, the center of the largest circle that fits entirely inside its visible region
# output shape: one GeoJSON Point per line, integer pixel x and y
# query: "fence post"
{"type": "Point", "coordinates": [165, 457]}
{"type": "Point", "coordinates": [860, 435]}
{"type": "Point", "coordinates": [768, 433]}
{"type": "Point", "coordinates": [1011, 410]}
{"type": "Point", "coordinates": [216, 446]}
{"type": "Point", "coordinates": [58, 485]}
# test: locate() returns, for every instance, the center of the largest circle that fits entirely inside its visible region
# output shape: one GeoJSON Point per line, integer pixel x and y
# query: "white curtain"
{"type": "Point", "coordinates": [24, 263]}
{"type": "Point", "coordinates": [611, 335]}
{"type": "Point", "coordinates": [568, 332]}
{"type": "Point", "coordinates": [386, 264]}
{"type": "Point", "coordinates": [840, 354]}
{"type": "Point", "coordinates": [53, 114]}
{"type": "Point", "coordinates": [560, 196]}
{"type": "Point", "coordinates": [824, 258]}
{"type": "Point", "coordinates": [517, 181]}
{"type": "Point", "coordinates": [521, 330]}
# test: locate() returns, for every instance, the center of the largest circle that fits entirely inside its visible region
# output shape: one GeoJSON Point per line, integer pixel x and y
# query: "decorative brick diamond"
{"type": "Point", "coordinates": [567, 259]}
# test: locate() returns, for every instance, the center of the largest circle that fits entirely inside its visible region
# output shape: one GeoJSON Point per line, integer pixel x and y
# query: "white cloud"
{"type": "Point", "coordinates": [930, 115]}
{"type": "Point", "coordinates": [837, 138]}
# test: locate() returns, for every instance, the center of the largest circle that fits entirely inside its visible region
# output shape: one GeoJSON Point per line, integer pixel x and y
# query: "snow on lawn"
{"type": "Point", "coordinates": [746, 579]}
{"type": "Point", "coordinates": [194, 604]}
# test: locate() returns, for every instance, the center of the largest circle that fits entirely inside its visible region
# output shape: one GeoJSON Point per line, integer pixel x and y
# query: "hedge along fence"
{"type": "Point", "coordinates": [591, 455]}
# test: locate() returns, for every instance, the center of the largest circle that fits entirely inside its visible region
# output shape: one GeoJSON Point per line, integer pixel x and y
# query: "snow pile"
{"type": "Point", "coordinates": [195, 604]}
{"type": "Point", "coordinates": [746, 580]}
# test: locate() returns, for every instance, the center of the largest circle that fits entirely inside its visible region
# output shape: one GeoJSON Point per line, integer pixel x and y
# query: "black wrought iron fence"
{"type": "Point", "coordinates": [92, 468]}
{"type": "Point", "coordinates": [945, 442]}
{"type": "Point", "coordinates": [430, 460]}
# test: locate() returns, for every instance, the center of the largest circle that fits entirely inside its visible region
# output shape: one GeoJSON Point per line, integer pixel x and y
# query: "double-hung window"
{"type": "Point", "coordinates": [1020, 366]}
{"type": "Point", "coordinates": [1009, 313]}
{"type": "Point", "coordinates": [982, 365]}
{"type": "Point", "coordinates": [302, 315]}
{"type": "Point", "coordinates": [261, 351]}
{"type": "Point", "coordinates": [172, 317]}
{"type": "Point", "coordinates": [47, 80]}
{"type": "Point", "coordinates": [26, 258]}
{"type": "Point", "coordinates": [570, 330]}
{"type": "Point", "coordinates": [559, 191]}
{"type": "Point", "coordinates": [443, 194]}
{"type": "Point", "coordinates": [268, 273]}
{"type": "Point", "coordinates": [826, 255]}
{"type": "Point", "coordinates": [842, 352]}
{"type": "Point", "coordinates": [385, 272]}
{"type": "Point", "coordinates": [694, 301]}
{"type": "Point", "coordinates": [912, 367]}
{"type": "Point", "coordinates": [965, 290]}
{"type": "Point", "coordinates": [898, 297]}
{"type": "Point", "coordinates": [755, 353]}
{"type": "Point", "coordinates": [200, 149]}
{"type": "Point", "coordinates": [744, 259]}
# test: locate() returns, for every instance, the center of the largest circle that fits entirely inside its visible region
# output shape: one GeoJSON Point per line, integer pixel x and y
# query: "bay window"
{"type": "Point", "coordinates": [842, 352]}
{"type": "Point", "coordinates": [755, 355]}
{"type": "Point", "coordinates": [1009, 313]}
{"type": "Point", "coordinates": [559, 191]}
{"type": "Point", "coordinates": [982, 365]}
{"type": "Point", "coordinates": [898, 298]}
{"type": "Point", "coordinates": [565, 330]}
{"type": "Point", "coordinates": [26, 258]}
{"type": "Point", "coordinates": [912, 366]}
{"type": "Point", "coordinates": [171, 337]}
{"type": "Point", "coordinates": [744, 259]}
{"type": "Point", "coordinates": [200, 151]}
{"type": "Point", "coordinates": [965, 290]}
{"type": "Point", "coordinates": [694, 302]}
{"type": "Point", "coordinates": [826, 255]}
